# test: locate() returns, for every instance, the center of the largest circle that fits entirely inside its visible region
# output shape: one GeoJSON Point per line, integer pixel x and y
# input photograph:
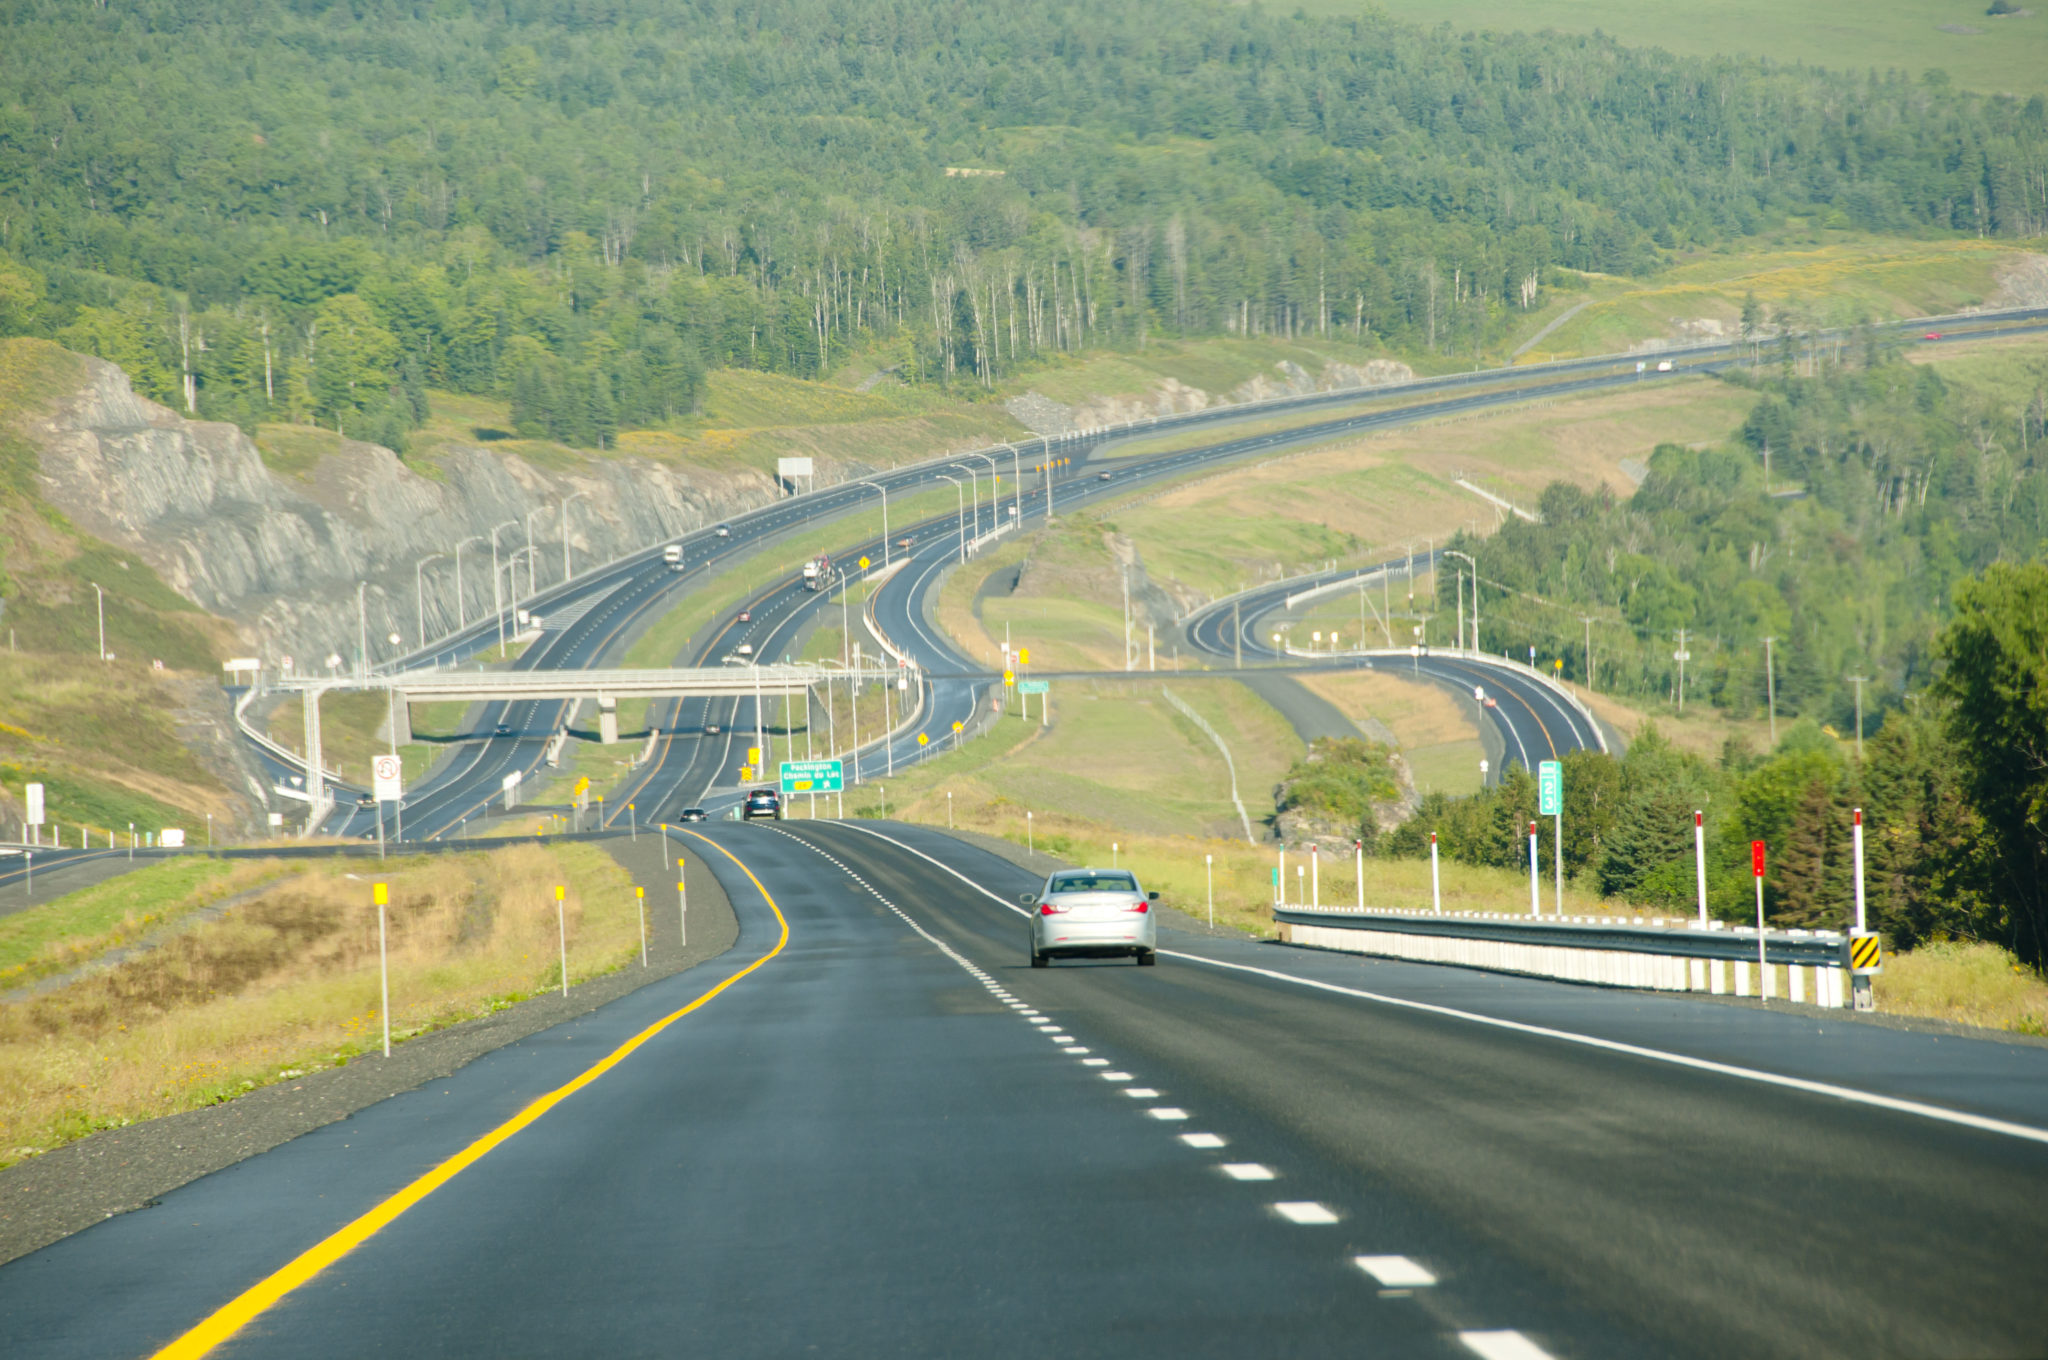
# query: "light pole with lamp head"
{"type": "Point", "coordinates": [497, 599]}
{"type": "Point", "coordinates": [974, 486]}
{"type": "Point", "coordinates": [1448, 552]}
{"type": "Point", "coordinates": [419, 593]}
{"type": "Point", "coordinates": [461, 608]}
{"type": "Point", "coordinates": [993, 478]}
{"type": "Point", "coordinates": [885, 515]}
{"type": "Point", "coordinates": [959, 496]}
{"type": "Point", "coordinates": [532, 567]}
{"type": "Point", "coordinates": [573, 495]}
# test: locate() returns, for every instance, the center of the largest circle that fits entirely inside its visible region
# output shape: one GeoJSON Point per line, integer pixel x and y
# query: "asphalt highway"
{"type": "Point", "coordinates": [871, 1129]}
{"type": "Point", "coordinates": [1534, 721]}
{"type": "Point", "coordinates": [691, 769]}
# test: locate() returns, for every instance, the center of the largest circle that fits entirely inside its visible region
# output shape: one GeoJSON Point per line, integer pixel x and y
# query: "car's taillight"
{"type": "Point", "coordinates": [1140, 905]}
{"type": "Point", "coordinates": [1048, 909]}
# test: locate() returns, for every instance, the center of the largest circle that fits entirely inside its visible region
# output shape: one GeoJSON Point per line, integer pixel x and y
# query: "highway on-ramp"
{"type": "Point", "coordinates": [870, 1129]}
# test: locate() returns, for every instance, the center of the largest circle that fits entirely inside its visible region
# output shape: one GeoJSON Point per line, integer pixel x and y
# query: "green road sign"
{"type": "Point", "coordinates": [813, 776]}
{"type": "Point", "coordinates": [1033, 686]}
{"type": "Point", "coordinates": [1549, 788]}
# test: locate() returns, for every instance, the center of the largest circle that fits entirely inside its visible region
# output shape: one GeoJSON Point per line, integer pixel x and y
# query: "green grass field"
{"type": "Point", "coordinates": [2008, 55]}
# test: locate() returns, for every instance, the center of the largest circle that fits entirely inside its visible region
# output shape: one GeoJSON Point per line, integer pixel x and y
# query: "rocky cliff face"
{"type": "Point", "coordinates": [281, 555]}
{"type": "Point", "coordinates": [1170, 396]}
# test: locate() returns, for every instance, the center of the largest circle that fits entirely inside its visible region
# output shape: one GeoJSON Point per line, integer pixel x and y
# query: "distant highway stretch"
{"type": "Point", "coordinates": [871, 1129]}
{"type": "Point", "coordinates": [693, 769]}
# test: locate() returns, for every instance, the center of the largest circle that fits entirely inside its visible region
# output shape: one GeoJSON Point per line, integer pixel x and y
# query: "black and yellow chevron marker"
{"type": "Point", "coordinates": [1866, 954]}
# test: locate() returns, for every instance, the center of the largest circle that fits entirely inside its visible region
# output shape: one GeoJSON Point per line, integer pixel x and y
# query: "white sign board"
{"type": "Point", "coordinates": [793, 467]}
{"type": "Point", "coordinates": [510, 785]}
{"type": "Point", "coordinates": [241, 663]}
{"type": "Point", "coordinates": [276, 820]}
{"type": "Point", "coordinates": [171, 838]}
{"type": "Point", "coordinates": [35, 805]}
{"type": "Point", "coordinates": [385, 776]}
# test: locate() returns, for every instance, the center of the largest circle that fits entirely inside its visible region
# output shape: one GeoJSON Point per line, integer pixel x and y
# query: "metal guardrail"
{"type": "Point", "coordinates": [1679, 956]}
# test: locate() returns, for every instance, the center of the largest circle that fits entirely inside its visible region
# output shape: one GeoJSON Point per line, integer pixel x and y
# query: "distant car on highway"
{"type": "Point", "coordinates": [1932, 335]}
{"type": "Point", "coordinates": [762, 803]}
{"type": "Point", "coordinates": [734, 659]}
{"type": "Point", "coordinates": [745, 649]}
{"type": "Point", "coordinates": [722, 531]}
{"type": "Point", "coordinates": [366, 800]}
{"type": "Point", "coordinates": [1102, 476]}
{"type": "Point", "coordinates": [1092, 913]}
{"type": "Point", "coordinates": [744, 616]}
{"type": "Point", "coordinates": [905, 541]}
{"type": "Point", "coordinates": [712, 729]}
{"type": "Point", "coordinates": [1664, 365]}
{"type": "Point", "coordinates": [695, 815]}
{"type": "Point", "coordinates": [502, 730]}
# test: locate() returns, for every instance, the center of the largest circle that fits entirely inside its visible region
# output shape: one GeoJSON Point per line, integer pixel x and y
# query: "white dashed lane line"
{"type": "Point", "coordinates": [1503, 1345]}
{"type": "Point", "coordinates": [1395, 1275]}
{"type": "Point", "coordinates": [1306, 1212]}
{"type": "Point", "coordinates": [1394, 1272]}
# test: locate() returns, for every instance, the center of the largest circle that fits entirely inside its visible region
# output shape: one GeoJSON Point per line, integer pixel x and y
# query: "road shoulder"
{"type": "Point", "coordinates": [72, 1187]}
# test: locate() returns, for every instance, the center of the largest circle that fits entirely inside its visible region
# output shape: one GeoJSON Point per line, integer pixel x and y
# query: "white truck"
{"type": "Point", "coordinates": [817, 572]}
{"type": "Point", "coordinates": [673, 555]}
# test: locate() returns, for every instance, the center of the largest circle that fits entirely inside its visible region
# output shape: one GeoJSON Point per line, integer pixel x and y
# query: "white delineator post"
{"type": "Point", "coordinates": [1315, 874]}
{"type": "Point", "coordinates": [1557, 864]}
{"type": "Point", "coordinates": [1861, 927]}
{"type": "Point", "coordinates": [1699, 859]}
{"type": "Point", "coordinates": [562, 933]}
{"type": "Point", "coordinates": [1280, 879]}
{"type": "Point", "coordinates": [1300, 885]}
{"type": "Point", "coordinates": [1209, 874]}
{"type": "Point", "coordinates": [1358, 852]}
{"type": "Point", "coordinates": [383, 894]}
{"type": "Point", "coordinates": [1436, 888]}
{"type": "Point", "coordinates": [1535, 881]}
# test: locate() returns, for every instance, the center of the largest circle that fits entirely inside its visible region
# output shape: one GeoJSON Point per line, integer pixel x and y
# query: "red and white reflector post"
{"type": "Point", "coordinates": [1436, 889]}
{"type": "Point", "coordinates": [1763, 968]}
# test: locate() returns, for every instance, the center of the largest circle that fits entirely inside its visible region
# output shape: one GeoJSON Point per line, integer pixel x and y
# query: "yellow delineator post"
{"type": "Point", "coordinates": [640, 901]}
{"type": "Point", "coordinates": [682, 906]}
{"type": "Point", "coordinates": [562, 933]}
{"type": "Point", "coordinates": [382, 895]}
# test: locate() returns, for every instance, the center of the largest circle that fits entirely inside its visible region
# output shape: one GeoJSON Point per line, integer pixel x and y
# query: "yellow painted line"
{"type": "Point", "coordinates": [246, 1307]}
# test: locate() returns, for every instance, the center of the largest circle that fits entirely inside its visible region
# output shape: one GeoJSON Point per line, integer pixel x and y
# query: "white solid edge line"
{"type": "Point", "coordinates": [1503, 1345]}
{"type": "Point", "coordinates": [1983, 1123]}
{"type": "Point", "coordinates": [1893, 1103]}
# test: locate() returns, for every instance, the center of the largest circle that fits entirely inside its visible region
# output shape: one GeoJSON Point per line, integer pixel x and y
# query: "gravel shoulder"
{"type": "Point", "coordinates": [70, 1188]}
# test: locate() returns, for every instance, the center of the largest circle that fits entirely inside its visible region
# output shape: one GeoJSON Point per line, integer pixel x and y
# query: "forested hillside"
{"type": "Point", "coordinates": [315, 209]}
{"type": "Point", "coordinates": [1837, 522]}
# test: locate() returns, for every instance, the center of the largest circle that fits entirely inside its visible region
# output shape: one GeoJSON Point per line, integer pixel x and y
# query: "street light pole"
{"type": "Point", "coordinates": [573, 495]}
{"type": "Point", "coordinates": [498, 600]}
{"type": "Point", "coordinates": [1859, 681]}
{"type": "Point", "coordinates": [974, 490]}
{"type": "Point", "coordinates": [419, 593]}
{"type": "Point", "coordinates": [994, 477]}
{"type": "Point", "coordinates": [1475, 599]}
{"type": "Point", "coordinates": [1770, 688]}
{"type": "Point", "coordinates": [958, 496]}
{"type": "Point", "coordinates": [885, 515]}
{"type": "Point", "coordinates": [532, 585]}
{"type": "Point", "coordinates": [461, 607]}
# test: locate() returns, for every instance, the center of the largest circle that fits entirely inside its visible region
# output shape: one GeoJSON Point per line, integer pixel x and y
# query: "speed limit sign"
{"type": "Point", "coordinates": [386, 778]}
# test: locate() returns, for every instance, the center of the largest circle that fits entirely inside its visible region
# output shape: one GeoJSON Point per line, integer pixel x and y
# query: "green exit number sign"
{"type": "Point", "coordinates": [1550, 788]}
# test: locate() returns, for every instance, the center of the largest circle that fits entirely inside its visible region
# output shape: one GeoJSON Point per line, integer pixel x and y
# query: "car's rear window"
{"type": "Point", "coordinates": [1110, 882]}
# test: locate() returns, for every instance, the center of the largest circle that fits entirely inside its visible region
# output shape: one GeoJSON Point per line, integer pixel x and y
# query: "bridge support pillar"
{"type": "Point", "coordinates": [607, 720]}
{"type": "Point", "coordinates": [401, 718]}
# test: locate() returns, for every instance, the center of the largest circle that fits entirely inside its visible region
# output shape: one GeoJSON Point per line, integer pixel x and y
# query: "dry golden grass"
{"type": "Point", "coordinates": [1971, 984]}
{"type": "Point", "coordinates": [288, 983]}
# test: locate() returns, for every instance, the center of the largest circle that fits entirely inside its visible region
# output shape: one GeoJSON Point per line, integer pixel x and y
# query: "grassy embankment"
{"type": "Point", "coordinates": [282, 985]}
{"type": "Point", "coordinates": [1996, 55]}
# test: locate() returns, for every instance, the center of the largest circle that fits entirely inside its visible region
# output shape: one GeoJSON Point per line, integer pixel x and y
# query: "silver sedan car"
{"type": "Point", "coordinates": [1092, 913]}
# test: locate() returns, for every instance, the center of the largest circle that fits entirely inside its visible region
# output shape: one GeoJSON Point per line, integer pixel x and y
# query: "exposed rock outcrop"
{"type": "Point", "coordinates": [281, 556]}
{"type": "Point", "coordinates": [1170, 396]}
